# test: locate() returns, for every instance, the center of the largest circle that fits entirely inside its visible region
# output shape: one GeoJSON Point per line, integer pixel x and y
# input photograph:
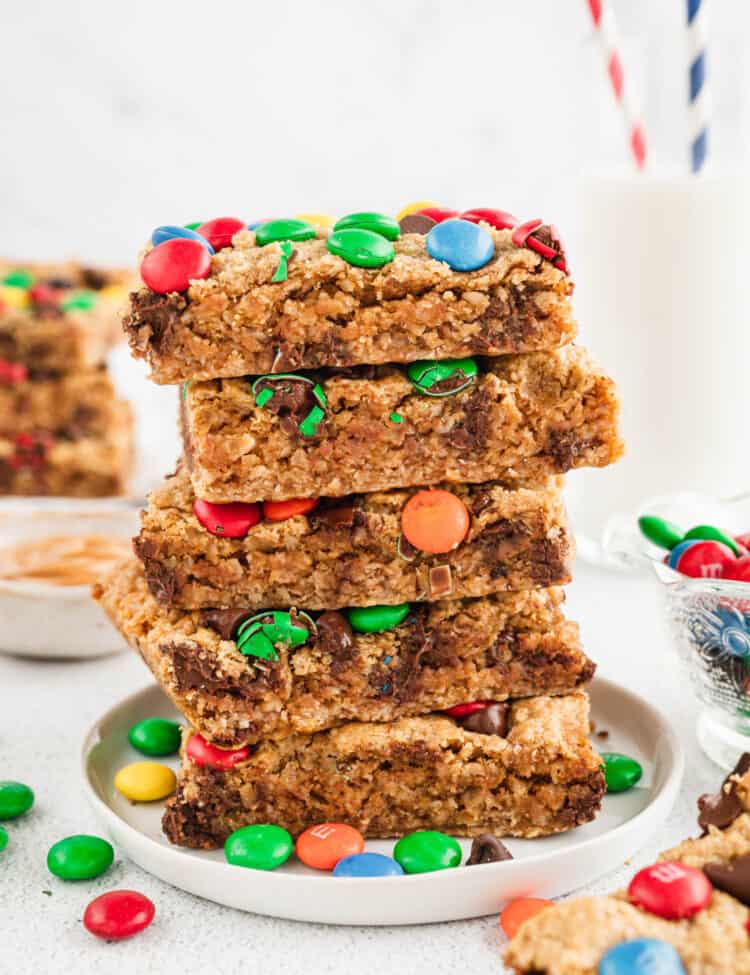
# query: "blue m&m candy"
{"type": "Point", "coordinates": [464, 246]}
{"type": "Point", "coordinates": [678, 551]}
{"type": "Point", "coordinates": [367, 865]}
{"type": "Point", "coordinates": [170, 231]}
{"type": "Point", "coordinates": [643, 956]}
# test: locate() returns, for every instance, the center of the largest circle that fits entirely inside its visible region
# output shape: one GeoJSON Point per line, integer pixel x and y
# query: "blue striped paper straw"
{"type": "Point", "coordinates": [698, 115]}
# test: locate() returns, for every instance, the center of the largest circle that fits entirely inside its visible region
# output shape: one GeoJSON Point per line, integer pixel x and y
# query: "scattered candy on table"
{"type": "Point", "coordinates": [642, 956]}
{"type": "Point", "coordinates": [435, 521]}
{"type": "Point", "coordinates": [377, 619]}
{"type": "Point", "coordinates": [118, 914]}
{"type": "Point", "coordinates": [367, 865]}
{"type": "Point", "coordinates": [462, 245]}
{"type": "Point", "coordinates": [155, 737]}
{"type": "Point", "coordinates": [427, 850]}
{"type": "Point", "coordinates": [670, 890]}
{"type": "Point", "coordinates": [80, 857]}
{"type": "Point", "coordinates": [620, 771]}
{"type": "Point", "coordinates": [261, 847]}
{"type": "Point", "coordinates": [15, 799]}
{"type": "Point", "coordinates": [145, 781]}
{"type": "Point", "coordinates": [198, 750]}
{"type": "Point", "coordinates": [3, 838]}
{"type": "Point", "coordinates": [517, 911]}
{"type": "Point", "coordinates": [322, 846]}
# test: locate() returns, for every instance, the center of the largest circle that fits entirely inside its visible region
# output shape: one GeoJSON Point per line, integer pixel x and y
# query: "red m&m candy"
{"type": "Point", "coordinates": [738, 570]}
{"type": "Point", "coordinates": [499, 219]}
{"type": "Point", "coordinates": [464, 710]}
{"type": "Point", "coordinates": [198, 750]}
{"type": "Point", "coordinates": [324, 845]}
{"type": "Point", "coordinates": [219, 232]}
{"type": "Point", "coordinates": [174, 264]}
{"type": "Point", "coordinates": [233, 520]}
{"type": "Point", "coordinates": [705, 560]}
{"type": "Point", "coordinates": [671, 890]}
{"type": "Point", "coordinates": [118, 914]}
{"type": "Point", "coordinates": [438, 214]}
{"type": "Point", "coordinates": [12, 372]}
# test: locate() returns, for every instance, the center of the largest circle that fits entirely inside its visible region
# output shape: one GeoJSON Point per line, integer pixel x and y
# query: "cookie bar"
{"type": "Point", "coordinates": [518, 417]}
{"type": "Point", "coordinates": [327, 312]}
{"type": "Point", "coordinates": [539, 776]}
{"type": "Point", "coordinates": [573, 937]}
{"type": "Point", "coordinates": [439, 655]}
{"type": "Point", "coordinates": [71, 406]}
{"type": "Point", "coordinates": [351, 551]}
{"type": "Point", "coordinates": [39, 463]}
{"type": "Point", "coordinates": [58, 318]}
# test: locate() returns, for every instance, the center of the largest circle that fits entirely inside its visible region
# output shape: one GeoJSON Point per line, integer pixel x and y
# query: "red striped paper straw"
{"type": "Point", "coordinates": [606, 29]}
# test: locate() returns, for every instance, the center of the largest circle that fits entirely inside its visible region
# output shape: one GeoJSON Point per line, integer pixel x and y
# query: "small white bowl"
{"type": "Point", "coordinates": [40, 619]}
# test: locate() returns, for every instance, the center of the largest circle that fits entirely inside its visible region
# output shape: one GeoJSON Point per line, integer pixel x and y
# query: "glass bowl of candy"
{"type": "Point", "coordinates": [700, 551]}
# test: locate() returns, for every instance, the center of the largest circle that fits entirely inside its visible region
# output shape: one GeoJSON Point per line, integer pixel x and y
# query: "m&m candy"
{"type": "Point", "coordinates": [3, 838]}
{"type": "Point", "coordinates": [438, 214]}
{"type": "Point", "coordinates": [198, 750]}
{"type": "Point", "coordinates": [517, 911]}
{"type": "Point", "coordinates": [459, 711]}
{"type": "Point", "coordinates": [15, 799]}
{"type": "Point", "coordinates": [80, 857]}
{"type": "Point", "coordinates": [118, 914]}
{"type": "Point", "coordinates": [145, 781]}
{"type": "Point", "coordinates": [670, 890]}
{"type": "Point", "coordinates": [360, 247]}
{"type": "Point", "coordinates": [219, 232]}
{"type": "Point", "coordinates": [462, 245]}
{"type": "Point", "coordinates": [260, 847]}
{"type": "Point", "coordinates": [322, 846]}
{"type": "Point", "coordinates": [155, 737]}
{"type": "Point", "coordinates": [426, 851]}
{"type": "Point", "coordinates": [282, 510]}
{"type": "Point", "coordinates": [499, 219]}
{"type": "Point", "coordinates": [367, 865]}
{"type": "Point", "coordinates": [174, 264]}
{"type": "Point", "coordinates": [642, 956]}
{"type": "Point", "coordinates": [286, 229]}
{"type": "Point", "coordinates": [435, 521]}
{"type": "Point", "coordinates": [660, 531]}
{"type": "Point", "coordinates": [738, 571]}
{"type": "Point", "coordinates": [377, 619]}
{"type": "Point", "coordinates": [710, 533]}
{"type": "Point", "coordinates": [232, 520]}
{"type": "Point", "coordinates": [171, 231]}
{"type": "Point", "coordinates": [620, 771]}
{"type": "Point", "coordinates": [701, 560]}
{"type": "Point", "coordinates": [379, 223]}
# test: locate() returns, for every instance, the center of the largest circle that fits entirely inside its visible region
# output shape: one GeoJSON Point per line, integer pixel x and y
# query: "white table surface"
{"type": "Point", "coordinates": [45, 708]}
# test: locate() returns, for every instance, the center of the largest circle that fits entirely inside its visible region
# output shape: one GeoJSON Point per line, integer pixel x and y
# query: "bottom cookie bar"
{"type": "Point", "coordinates": [668, 908]}
{"type": "Point", "coordinates": [541, 776]}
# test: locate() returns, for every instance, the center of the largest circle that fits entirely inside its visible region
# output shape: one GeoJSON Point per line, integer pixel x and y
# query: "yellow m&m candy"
{"type": "Point", "coordinates": [322, 220]}
{"type": "Point", "coordinates": [14, 297]}
{"type": "Point", "coordinates": [145, 781]}
{"type": "Point", "coordinates": [413, 207]}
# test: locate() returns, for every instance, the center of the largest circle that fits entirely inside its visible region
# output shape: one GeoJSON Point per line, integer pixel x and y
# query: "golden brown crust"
{"type": "Point", "coordinates": [70, 406]}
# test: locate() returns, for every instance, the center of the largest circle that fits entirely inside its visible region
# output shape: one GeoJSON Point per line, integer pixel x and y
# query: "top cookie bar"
{"type": "Point", "coordinates": [299, 304]}
{"type": "Point", "coordinates": [57, 318]}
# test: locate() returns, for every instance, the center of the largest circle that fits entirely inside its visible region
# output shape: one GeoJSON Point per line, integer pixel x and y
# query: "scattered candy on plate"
{"type": "Point", "coordinates": [80, 857]}
{"type": "Point", "coordinates": [118, 914]}
{"type": "Point", "coordinates": [427, 850]}
{"type": "Point", "coordinates": [155, 737]}
{"type": "Point", "coordinates": [621, 772]}
{"type": "Point", "coordinates": [145, 781]}
{"type": "Point", "coordinates": [261, 847]}
{"type": "Point", "coordinates": [322, 846]}
{"type": "Point", "coordinates": [367, 865]}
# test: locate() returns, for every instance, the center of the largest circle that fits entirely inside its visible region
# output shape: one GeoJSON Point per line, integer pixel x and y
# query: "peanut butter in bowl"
{"type": "Point", "coordinates": [62, 560]}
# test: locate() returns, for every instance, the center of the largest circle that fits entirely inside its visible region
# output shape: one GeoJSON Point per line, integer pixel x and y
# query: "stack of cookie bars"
{"type": "Point", "coordinates": [63, 431]}
{"type": "Point", "coordinates": [350, 586]}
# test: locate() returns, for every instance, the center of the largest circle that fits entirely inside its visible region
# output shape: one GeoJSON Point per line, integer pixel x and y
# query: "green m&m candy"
{"type": "Point", "coordinates": [426, 851]}
{"type": "Point", "coordinates": [709, 533]}
{"type": "Point", "coordinates": [18, 279]}
{"type": "Point", "coordinates": [155, 736]}
{"type": "Point", "coordinates": [620, 771]}
{"type": "Point", "coordinates": [378, 223]}
{"type": "Point", "coordinates": [194, 226]}
{"type": "Point", "coordinates": [258, 636]}
{"type": "Point", "coordinates": [376, 619]}
{"type": "Point", "coordinates": [80, 857]}
{"type": "Point", "coordinates": [15, 799]}
{"type": "Point", "coordinates": [442, 378]}
{"type": "Point", "coordinates": [79, 301]}
{"type": "Point", "coordinates": [361, 248]}
{"type": "Point", "coordinates": [3, 838]}
{"type": "Point", "coordinates": [660, 532]}
{"type": "Point", "coordinates": [262, 847]}
{"type": "Point", "coordinates": [269, 233]}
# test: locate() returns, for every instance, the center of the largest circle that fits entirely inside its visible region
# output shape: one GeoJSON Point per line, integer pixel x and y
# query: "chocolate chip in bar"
{"type": "Point", "coordinates": [440, 581]}
{"type": "Point", "coordinates": [226, 621]}
{"type": "Point", "coordinates": [492, 720]}
{"type": "Point", "coordinates": [722, 808]}
{"type": "Point", "coordinates": [416, 223]}
{"type": "Point", "coordinates": [487, 848]}
{"type": "Point", "coordinates": [334, 633]}
{"type": "Point", "coordinates": [733, 878]}
{"type": "Point", "coordinates": [336, 515]}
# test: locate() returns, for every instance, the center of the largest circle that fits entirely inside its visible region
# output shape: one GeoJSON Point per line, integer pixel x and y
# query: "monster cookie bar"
{"type": "Point", "coordinates": [238, 675]}
{"type": "Point", "coordinates": [533, 774]}
{"type": "Point", "coordinates": [350, 551]}
{"type": "Point", "coordinates": [226, 301]}
{"type": "Point", "coordinates": [290, 436]}
{"type": "Point", "coordinates": [83, 466]}
{"type": "Point", "coordinates": [685, 915]}
{"type": "Point", "coordinates": [70, 406]}
{"type": "Point", "coordinates": [57, 318]}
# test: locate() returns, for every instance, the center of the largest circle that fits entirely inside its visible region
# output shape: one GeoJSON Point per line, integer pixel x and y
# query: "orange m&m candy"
{"type": "Point", "coordinates": [435, 521]}
{"type": "Point", "coordinates": [322, 846]}
{"type": "Point", "coordinates": [516, 912]}
{"type": "Point", "coordinates": [281, 510]}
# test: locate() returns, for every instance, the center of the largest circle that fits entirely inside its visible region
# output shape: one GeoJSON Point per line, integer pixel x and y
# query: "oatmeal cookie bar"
{"type": "Point", "coordinates": [327, 312]}
{"type": "Point", "coordinates": [438, 656]}
{"type": "Point", "coordinates": [516, 417]}
{"type": "Point", "coordinates": [539, 776]}
{"type": "Point", "coordinates": [58, 318]}
{"type": "Point", "coordinates": [41, 463]}
{"type": "Point", "coordinates": [571, 938]}
{"type": "Point", "coordinates": [351, 551]}
{"type": "Point", "coordinates": [71, 406]}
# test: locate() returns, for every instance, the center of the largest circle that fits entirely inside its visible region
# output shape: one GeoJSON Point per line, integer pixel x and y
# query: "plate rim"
{"type": "Point", "coordinates": [663, 799]}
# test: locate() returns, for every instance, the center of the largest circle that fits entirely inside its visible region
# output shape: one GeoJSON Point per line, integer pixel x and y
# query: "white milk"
{"type": "Point", "coordinates": [662, 275]}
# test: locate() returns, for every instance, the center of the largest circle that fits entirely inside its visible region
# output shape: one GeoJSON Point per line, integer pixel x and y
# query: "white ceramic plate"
{"type": "Point", "coordinates": [545, 867]}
